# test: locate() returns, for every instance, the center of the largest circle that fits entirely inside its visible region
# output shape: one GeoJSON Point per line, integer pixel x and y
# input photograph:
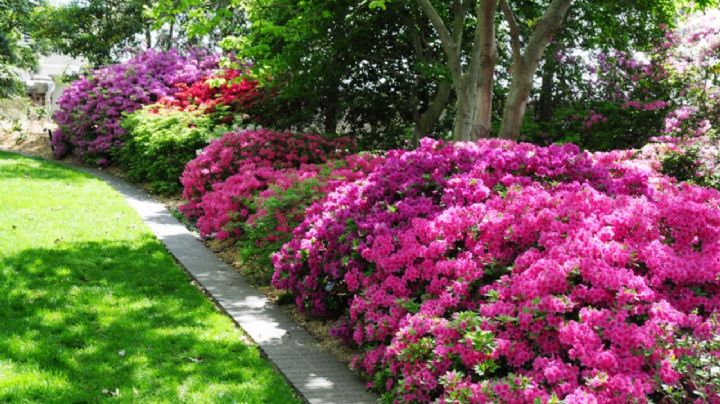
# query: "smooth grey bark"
{"type": "Point", "coordinates": [488, 59]}
{"type": "Point", "coordinates": [525, 63]}
{"type": "Point", "coordinates": [473, 87]}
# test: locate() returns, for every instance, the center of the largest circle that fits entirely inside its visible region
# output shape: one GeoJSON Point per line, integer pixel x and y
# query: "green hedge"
{"type": "Point", "coordinates": [160, 141]}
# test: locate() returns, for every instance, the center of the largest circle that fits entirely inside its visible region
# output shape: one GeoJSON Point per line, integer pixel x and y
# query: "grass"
{"type": "Point", "coordinates": [93, 308]}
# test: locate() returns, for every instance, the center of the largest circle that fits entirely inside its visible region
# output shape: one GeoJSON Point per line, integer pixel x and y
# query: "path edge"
{"type": "Point", "coordinates": [316, 376]}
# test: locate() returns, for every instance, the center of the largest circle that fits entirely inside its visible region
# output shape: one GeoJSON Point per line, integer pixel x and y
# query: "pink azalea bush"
{"type": "Point", "coordinates": [254, 186]}
{"type": "Point", "coordinates": [276, 211]}
{"type": "Point", "coordinates": [221, 182]}
{"type": "Point", "coordinates": [91, 108]}
{"type": "Point", "coordinates": [505, 272]}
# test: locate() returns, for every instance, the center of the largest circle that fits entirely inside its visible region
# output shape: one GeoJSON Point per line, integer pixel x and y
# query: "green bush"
{"type": "Point", "coordinates": [682, 165]}
{"type": "Point", "coordinates": [615, 127]}
{"type": "Point", "coordinates": [267, 232]}
{"type": "Point", "coordinates": [696, 162]}
{"type": "Point", "coordinates": [160, 141]}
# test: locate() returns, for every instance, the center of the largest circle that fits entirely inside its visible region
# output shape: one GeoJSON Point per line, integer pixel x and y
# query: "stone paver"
{"type": "Point", "coordinates": [312, 371]}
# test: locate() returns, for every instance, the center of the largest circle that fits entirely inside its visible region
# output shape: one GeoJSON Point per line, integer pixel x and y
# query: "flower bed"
{"type": "Point", "coordinates": [260, 152]}
{"type": "Point", "coordinates": [91, 109]}
{"type": "Point", "coordinates": [254, 186]}
{"type": "Point", "coordinates": [508, 272]}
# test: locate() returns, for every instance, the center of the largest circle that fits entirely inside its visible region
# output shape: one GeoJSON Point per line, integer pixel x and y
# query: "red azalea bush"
{"type": "Point", "coordinates": [91, 108]}
{"type": "Point", "coordinates": [505, 272]}
{"type": "Point", "coordinates": [221, 181]}
{"type": "Point", "coordinates": [227, 92]}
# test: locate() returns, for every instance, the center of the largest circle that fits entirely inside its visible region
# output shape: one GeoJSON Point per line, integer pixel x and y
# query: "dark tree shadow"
{"type": "Point", "coordinates": [104, 316]}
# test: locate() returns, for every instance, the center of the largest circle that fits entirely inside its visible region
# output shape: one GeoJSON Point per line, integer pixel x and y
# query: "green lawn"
{"type": "Point", "coordinates": [93, 308]}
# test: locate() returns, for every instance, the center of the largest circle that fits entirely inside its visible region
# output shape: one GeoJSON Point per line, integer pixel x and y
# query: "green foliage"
{"type": "Point", "coordinates": [613, 132]}
{"type": "Point", "coordinates": [358, 64]}
{"type": "Point", "coordinates": [160, 141]}
{"type": "Point", "coordinates": [693, 164]}
{"type": "Point", "coordinates": [681, 165]}
{"type": "Point", "coordinates": [700, 364]}
{"type": "Point", "coordinates": [268, 231]}
{"type": "Point", "coordinates": [201, 21]}
{"type": "Point", "coordinates": [17, 49]}
{"type": "Point", "coordinates": [334, 66]}
{"type": "Point", "coordinates": [98, 30]}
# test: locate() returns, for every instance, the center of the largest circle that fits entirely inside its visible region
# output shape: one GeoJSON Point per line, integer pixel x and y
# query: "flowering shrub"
{"type": "Point", "coordinates": [221, 95]}
{"type": "Point", "coordinates": [91, 108]}
{"type": "Point", "coordinates": [256, 185]}
{"type": "Point", "coordinates": [695, 159]}
{"type": "Point", "coordinates": [504, 272]}
{"type": "Point", "coordinates": [694, 57]}
{"type": "Point", "coordinates": [672, 90]}
{"type": "Point", "coordinates": [160, 142]}
{"type": "Point", "coordinates": [218, 183]}
{"type": "Point", "coordinates": [279, 209]}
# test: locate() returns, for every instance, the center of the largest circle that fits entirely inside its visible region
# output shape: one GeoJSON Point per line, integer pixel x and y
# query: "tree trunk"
{"type": "Point", "coordinates": [465, 111]}
{"type": "Point", "coordinates": [526, 64]}
{"type": "Point", "coordinates": [488, 57]}
{"type": "Point", "coordinates": [330, 109]}
{"type": "Point", "coordinates": [464, 83]}
{"type": "Point", "coordinates": [546, 103]}
{"type": "Point", "coordinates": [515, 104]}
{"type": "Point", "coordinates": [425, 123]}
{"type": "Point", "coordinates": [169, 42]}
{"type": "Point", "coordinates": [330, 120]}
{"type": "Point", "coordinates": [148, 37]}
{"type": "Point", "coordinates": [484, 99]}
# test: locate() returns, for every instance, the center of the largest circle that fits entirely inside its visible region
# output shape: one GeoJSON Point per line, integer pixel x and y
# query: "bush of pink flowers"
{"type": "Point", "coordinates": [277, 210]}
{"type": "Point", "coordinates": [506, 272]}
{"type": "Point", "coordinates": [91, 108]}
{"type": "Point", "coordinates": [221, 183]}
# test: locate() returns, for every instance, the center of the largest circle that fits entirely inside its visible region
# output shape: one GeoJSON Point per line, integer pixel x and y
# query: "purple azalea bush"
{"type": "Point", "coordinates": [91, 108]}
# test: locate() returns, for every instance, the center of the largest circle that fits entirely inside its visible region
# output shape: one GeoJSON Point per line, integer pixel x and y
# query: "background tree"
{"type": "Point", "coordinates": [398, 71]}
{"type": "Point", "coordinates": [98, 30]}
{"type": "Point", "coordinates": [336, 66]}
{"type": "Point", "coordinates": [17, 49]}
{"type": "Point", "coordinates": [355, 69]}
{"type": "Point", "coordinates": [566, 86]}
{"type": "Point", "coordinates": [195, 22]}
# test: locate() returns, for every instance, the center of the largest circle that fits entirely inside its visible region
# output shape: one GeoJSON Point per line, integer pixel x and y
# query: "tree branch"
{"type": "Point", "coordinates": [460, 9]}
{"type": "Point", "coordinates": [484, 41]}
{"type": "Point", "coordinates": [547, 25]}
{"type": "Point", "coordinates": [514, 30]}
{"type": "Point", "coordinates": [415, 36]}
{"type": "Point", "coordinates": [451, 49]}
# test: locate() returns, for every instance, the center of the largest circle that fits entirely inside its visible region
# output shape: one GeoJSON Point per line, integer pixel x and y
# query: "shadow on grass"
{"type": "Point", "coordinates": [16, 166]}
{"type": "Point", "coordinates": [86, 322]}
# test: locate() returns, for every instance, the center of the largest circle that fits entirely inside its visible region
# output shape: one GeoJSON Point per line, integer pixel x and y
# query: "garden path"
{"type": "Point", "coordinates": [317, 375]}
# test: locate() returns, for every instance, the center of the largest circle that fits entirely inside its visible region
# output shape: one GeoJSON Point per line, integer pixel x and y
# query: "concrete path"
{"type": "Point", "coordinates": [313, 372]}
